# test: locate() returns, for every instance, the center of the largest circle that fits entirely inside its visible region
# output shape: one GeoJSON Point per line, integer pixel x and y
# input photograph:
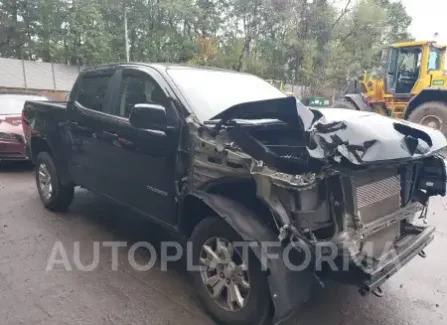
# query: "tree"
{"type": "Point", "coordinates": [398, 21]}
{"type": "Point", "coordinates": [317, 43]}
{"type": "Point", "coordinates": [14, 37]}
{"type": "Point", "coordinates": [88, 38]}
{"type": "Point", "coordinates": [206, 52]}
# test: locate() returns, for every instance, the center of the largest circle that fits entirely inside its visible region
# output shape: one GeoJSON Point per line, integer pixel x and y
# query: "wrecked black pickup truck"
{"type": "Point", "coordinates": [224, 159]}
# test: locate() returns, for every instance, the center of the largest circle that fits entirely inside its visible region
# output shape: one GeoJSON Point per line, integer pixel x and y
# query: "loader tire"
{"type": "Point", "coordinates": [431, 114]}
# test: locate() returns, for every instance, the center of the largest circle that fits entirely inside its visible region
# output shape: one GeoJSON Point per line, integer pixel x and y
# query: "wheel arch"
{"type": "Point", "coordinates": [193, 209]}
{"type": "Point", "coordinates": [39, 144]}
{"type": "Point", "coordinates": [426, 95]}
{"type": "Point", "coordinates": [288, 289]}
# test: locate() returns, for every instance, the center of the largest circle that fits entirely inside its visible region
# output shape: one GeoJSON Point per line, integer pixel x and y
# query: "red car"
{"type": "Point", "coordinates": [12, 141]}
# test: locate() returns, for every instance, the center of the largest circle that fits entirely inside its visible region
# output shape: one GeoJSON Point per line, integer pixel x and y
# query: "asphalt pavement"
{"type": "Point", "coordinates": [30, 294]}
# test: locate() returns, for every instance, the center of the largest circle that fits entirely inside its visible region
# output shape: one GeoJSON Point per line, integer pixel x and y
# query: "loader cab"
{"type": "Point", "coordinates": [411, 67]}
{"type": "Point", "coordinates": [403, 69]}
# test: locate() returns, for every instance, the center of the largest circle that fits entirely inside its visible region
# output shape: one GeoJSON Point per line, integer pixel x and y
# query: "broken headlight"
{"type": "Point", "coordinates": [433, 176]}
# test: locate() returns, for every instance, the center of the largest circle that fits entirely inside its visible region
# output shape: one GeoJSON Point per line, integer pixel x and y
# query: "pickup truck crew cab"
{"type": "Point", "coordinates": [221, 157]}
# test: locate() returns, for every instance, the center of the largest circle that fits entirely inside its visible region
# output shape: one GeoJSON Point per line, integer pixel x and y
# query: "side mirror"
{"type": "Point", "coordinates": [148, 116]}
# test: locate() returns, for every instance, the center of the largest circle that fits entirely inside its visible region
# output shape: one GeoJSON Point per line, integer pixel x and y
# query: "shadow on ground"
{"type": "Point", "coordinates": [15, 166]}
{"type": "Point", "coordinates": [125, 225]}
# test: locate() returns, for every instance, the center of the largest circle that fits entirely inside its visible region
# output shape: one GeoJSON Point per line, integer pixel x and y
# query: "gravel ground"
{"type": "Point", "coordinates": [31, 295]}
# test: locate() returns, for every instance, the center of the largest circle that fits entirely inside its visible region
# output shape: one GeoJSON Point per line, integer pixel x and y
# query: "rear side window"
{"type": "Point", "coordinates": [92, 92]}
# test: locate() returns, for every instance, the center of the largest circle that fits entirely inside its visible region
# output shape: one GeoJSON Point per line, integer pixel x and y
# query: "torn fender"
{"type": "Point", "coordinates": [288, 289]}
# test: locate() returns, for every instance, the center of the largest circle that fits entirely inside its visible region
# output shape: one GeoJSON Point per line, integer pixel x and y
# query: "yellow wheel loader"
{"type": "Point", "coordinates": [414, 87]}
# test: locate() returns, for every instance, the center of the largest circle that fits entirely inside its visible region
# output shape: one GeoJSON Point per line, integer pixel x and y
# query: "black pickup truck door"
{"type": "Point", "coordinates": [141, 164]}
{"type": "Point", "coordinates": [86, 118]}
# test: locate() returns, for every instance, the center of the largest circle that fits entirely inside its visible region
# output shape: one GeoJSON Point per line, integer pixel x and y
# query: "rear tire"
{"type": "Point", "coordinates": [54, 195]}
{"type": "Point", "coordinates": [256, 308]}
{"type": "Point", "coordinates": [344, 103]}
{"type": "Point", "coordinates": [431, 114]}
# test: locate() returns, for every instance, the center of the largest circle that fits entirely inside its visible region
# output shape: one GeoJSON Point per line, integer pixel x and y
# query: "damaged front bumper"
{"type": "Point", "coordinates": [374, 206]}
{"type": "Point", "coordinates": [397, 258]}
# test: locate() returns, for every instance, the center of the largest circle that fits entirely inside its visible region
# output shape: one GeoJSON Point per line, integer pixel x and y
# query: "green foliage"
{"type": "Point", "coordinates": [319, 44]}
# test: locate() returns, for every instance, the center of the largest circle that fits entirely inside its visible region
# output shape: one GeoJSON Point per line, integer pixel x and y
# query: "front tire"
{"type": "Point", "coordinates": [431, 114]}
{"type": "Point", "coordinates": [215, 285]}
{"type": "Point", "coordinates": [54, 195]}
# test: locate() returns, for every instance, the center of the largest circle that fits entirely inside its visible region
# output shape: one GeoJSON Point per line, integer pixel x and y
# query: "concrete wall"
{"type": "Point", "coordinates": [22, 74]}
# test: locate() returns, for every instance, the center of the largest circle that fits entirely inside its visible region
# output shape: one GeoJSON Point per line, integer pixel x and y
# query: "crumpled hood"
{"type": "Point", "coordinates": [365, 137]}
{"type": "Point", "coordinates": [360, 137]}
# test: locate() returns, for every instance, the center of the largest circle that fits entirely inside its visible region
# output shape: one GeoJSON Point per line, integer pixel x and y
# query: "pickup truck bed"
{"type": "Point", "coordinates": [39, 111]}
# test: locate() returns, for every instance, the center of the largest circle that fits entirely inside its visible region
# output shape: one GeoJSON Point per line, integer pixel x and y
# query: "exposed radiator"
{"type": "Point", "coordinates": [377, 194]}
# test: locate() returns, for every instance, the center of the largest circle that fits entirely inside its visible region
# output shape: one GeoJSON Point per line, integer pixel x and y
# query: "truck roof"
{"type": "Point", "coordinates": [161, 67]}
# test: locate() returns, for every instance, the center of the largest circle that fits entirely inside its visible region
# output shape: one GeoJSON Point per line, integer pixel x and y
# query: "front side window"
{"type": "Point", "coordinates": [408, 60]}
{"type": "Point", "coordinates": [391, 69]}
{"type": "Point", "coordinates": [434, 59]}
{"type": "Point", "coordinates": [403, 68]}
{"type": "Point", "coordinates": [138, 90]}
{"type": "Point", "coordinates": [92, 92]}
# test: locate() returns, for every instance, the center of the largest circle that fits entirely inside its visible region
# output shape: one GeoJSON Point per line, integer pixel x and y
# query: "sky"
{"type": "Point", "coordinates": [429, 16]}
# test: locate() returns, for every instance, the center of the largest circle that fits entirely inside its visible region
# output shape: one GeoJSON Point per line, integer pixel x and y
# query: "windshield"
{"type": "Point", "coordinates": [209, 92]}
{"type": "Point", "coordinates": [434, 59]}
{"type": "Point", "coordinates": [409, 60]}
{"type": "Point", "coordinates": [13, 104]}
